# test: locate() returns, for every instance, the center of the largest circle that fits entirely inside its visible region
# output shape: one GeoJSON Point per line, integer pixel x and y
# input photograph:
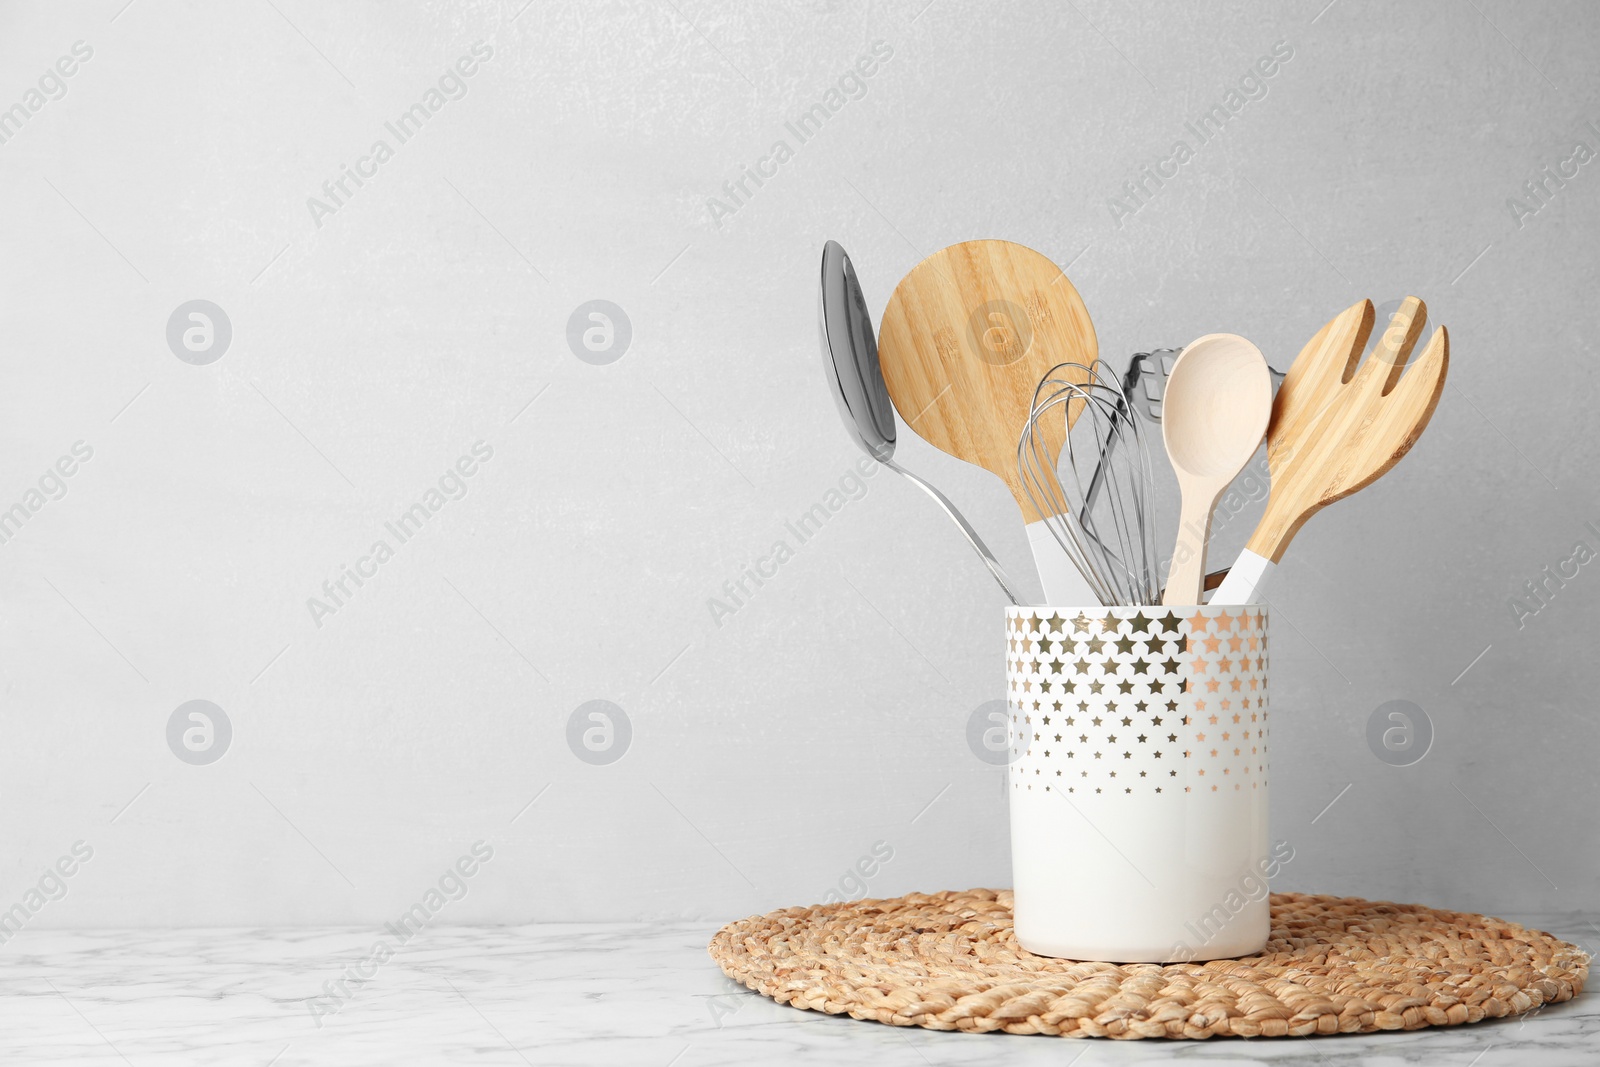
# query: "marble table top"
{"type": "Point", "coordinates": [576, 994]}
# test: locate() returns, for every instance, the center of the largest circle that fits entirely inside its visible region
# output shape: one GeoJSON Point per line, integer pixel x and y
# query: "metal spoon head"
{"type": "Point", "coordinates": [850, 356]}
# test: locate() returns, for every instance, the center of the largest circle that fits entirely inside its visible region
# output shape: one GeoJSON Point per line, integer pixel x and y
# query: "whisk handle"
{"type": "Point", "coordinates": [966, 529]}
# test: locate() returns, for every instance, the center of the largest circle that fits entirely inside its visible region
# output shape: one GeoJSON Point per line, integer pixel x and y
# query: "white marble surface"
{"type": "Point", "coordinates": [549, 994]}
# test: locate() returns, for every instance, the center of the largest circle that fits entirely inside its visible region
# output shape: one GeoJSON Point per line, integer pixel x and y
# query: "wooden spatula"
{"type": "Point", "coordinates": [965, 339]}
{"type": "Point", "coordinates": [1336, 428]}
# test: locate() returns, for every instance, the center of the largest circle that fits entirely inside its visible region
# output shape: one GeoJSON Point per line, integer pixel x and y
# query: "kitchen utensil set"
{"type": "Point", "coordinates": [988, 353]}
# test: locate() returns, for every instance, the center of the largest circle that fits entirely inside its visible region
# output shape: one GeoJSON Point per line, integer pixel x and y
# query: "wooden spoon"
{"type": "Point", "coordinates": [966, 338]}
{"type": "Point", "coordinates": [1213, 414]}
{"type": "Point", "coordinates": [1336, 429]}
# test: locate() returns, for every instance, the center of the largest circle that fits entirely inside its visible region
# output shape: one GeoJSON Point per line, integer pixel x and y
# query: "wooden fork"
{"type": "Point", "coordinates": [1337, 428]}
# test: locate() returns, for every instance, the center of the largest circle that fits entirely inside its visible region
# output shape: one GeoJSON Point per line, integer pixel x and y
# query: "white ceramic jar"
{"type": "Point", "coordinates": [1138, 781]}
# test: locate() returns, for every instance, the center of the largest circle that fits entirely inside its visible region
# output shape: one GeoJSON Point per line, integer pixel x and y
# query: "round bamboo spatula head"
{"type": "Point", "coordinates": [965, 340]}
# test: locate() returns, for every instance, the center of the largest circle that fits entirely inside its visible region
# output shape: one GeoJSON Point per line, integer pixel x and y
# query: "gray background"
{"type": "Point", "coordinates": [769, 753]}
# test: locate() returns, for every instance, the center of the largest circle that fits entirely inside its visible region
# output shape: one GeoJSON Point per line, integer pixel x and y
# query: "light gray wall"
{"type": "Point", "coordinates": [770, 749]}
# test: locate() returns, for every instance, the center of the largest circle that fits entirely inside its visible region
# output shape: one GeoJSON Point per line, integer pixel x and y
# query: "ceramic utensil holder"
{"type": "Point", "coordinates": [1138, 781]}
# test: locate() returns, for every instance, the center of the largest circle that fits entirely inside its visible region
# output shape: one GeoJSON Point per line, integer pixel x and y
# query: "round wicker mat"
{"type": "Point", "coordinates": [949, 961]}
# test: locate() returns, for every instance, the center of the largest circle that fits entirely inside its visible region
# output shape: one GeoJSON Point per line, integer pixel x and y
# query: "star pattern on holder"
{"type": "Point", "coordinates": [1187, 695]}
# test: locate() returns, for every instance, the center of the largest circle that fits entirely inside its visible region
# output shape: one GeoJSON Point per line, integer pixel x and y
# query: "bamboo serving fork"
{"type": "Point", "coordinates": [1337, 427]}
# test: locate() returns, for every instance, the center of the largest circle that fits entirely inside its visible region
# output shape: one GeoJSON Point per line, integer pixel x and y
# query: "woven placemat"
{"type": "Point", "coordinates": [949, 961]}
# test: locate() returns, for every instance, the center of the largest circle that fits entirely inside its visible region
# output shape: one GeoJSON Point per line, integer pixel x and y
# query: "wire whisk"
{"type": "Point", "coordinates": [1096, 494]}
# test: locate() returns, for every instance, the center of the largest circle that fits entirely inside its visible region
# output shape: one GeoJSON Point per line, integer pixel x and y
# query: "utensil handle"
{"type": "Point", "coordinates": [1245, 581]}
{"type": "Point", "coordinates": [1187, 575]}
{"type": "Point", "coordinates": [956, 517]}
{"type": "Point", "coordinates": [1064, 585]}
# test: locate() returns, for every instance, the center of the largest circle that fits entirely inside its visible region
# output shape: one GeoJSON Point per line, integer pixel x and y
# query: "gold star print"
{"type": "Point", "coordinates": [1235, 643]}
{"type": "Point", "coordinates": [1197, 737]}
{"type": "Point", "coordinates": [1211, 643]}
{"type": "Point", "coordinates": [1213, 685]}
{"type": "Point", "coordinates": [1225, 663]}
{"type": "Point", "coordinates": [1170, 737]}
{"type": "Point", "coordinates": [1110, 624]}
{"type": "Point", "coordinates": [1080, 622]}
{"type": "Point", "coordinates": [1141, 622]}
{"type": "Point", "coordinates": [1127, 721]}
{"type": "Point", "coordinates": [1197, 621]}
{"type": "Point", "coordinates": [1125, 643]}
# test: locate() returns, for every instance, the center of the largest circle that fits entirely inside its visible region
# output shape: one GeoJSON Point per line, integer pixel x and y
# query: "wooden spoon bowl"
{"type": "Point", "coordinates": [966, 338]}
